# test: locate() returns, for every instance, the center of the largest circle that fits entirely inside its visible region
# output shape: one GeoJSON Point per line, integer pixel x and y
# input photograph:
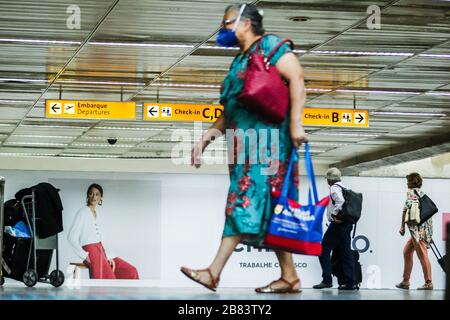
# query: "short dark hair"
{"type": "Point", "coordinates": [250, 12]}
{"type": "Point", "coordinates": [414, 180]}
{"type": "Point", "coordinates": [96, 186]}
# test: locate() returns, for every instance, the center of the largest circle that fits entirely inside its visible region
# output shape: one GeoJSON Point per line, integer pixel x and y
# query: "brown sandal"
{"type": "Point", "coordinates": [195, 276]}
{"type": "Point", "coordinates": [288, 289]}
{"type": "Point", "coordinates": [427, 286]}
{"type": "Point", "coordinates": [403, 285]}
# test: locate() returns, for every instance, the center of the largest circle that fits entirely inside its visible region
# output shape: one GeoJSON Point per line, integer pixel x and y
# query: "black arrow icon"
{"type": "Point", "coordinates": [360, 117]}
{"type": "Point", "coordinates": [151, 111]}
{"type": "Point", "coordinates": [55, 107]}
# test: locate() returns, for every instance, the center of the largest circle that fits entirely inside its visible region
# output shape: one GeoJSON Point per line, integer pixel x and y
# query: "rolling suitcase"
{"type": "Point", "coordinates": [337, 271]}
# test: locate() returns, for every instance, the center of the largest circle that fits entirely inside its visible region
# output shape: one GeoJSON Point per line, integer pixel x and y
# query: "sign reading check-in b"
{"type": "Point", "coordinates": [90, 109]}
{"type": "Point", "coordinates": [336, 117]}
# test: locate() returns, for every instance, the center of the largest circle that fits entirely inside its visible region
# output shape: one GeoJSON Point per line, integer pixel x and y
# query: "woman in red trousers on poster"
{"type": "Point", "coordinates": [85, 236]}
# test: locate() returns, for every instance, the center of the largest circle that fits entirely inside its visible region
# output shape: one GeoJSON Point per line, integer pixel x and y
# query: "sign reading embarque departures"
{"type": "Point", "coordinates": [209, 113]}
{"type": "Point", "coordinates": [90, 109]}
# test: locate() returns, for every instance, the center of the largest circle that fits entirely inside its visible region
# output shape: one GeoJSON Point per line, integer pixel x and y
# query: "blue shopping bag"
{"type": "Point", "coordinates": [294, 227]}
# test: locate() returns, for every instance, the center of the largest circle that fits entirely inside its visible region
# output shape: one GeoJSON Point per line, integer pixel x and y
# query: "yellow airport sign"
{"type": "Point", "coordinates": [335, 117]}
{"type": "Point", "coordinates": [181, 112]}
{"type": "Point", "coordinates": [90, 109]}
{"type": "Point", "coordinates": [209, 113]}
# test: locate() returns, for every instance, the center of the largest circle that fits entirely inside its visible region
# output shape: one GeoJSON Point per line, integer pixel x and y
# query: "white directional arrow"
{"type": "Point", "coordinates": [153, 111]}
{"type": "Point", "coordinates": [360, 117]}
{"type": "Point", "coordinates": [55, 108]}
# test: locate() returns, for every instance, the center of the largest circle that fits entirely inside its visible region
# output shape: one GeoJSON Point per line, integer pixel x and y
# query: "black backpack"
{"type": "Point", "coordinates": [351, 210]}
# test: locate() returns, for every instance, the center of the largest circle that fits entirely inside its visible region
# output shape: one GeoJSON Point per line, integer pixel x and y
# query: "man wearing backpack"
{"type": "Point", "coordinates": [337, 235]}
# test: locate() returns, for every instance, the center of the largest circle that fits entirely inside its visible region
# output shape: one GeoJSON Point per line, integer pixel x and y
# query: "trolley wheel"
{"type": "Point", "coordinates": [2, 280]}
{"type": "Point", "coordinates": [30, 278]}
{"type": "Point", "coordinates": [56, 278]}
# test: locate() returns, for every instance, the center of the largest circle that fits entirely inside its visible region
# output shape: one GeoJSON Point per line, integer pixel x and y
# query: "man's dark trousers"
{"type": "Point", "coordinates": [337, 234]}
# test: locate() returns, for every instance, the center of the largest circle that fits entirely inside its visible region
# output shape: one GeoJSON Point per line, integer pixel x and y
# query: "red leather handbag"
{"type": "Point", "coordinates": [265, 92]}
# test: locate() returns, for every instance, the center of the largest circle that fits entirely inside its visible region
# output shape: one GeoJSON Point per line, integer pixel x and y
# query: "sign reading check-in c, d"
{"type": "Point", "coordinates": [90, 109]}
{"type": "Point", "coordinates": [209, 113]}
{"type": "Point", "coordinates": [181, 112]}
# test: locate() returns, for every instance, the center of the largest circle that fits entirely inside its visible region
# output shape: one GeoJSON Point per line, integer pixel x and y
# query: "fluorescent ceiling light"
{"type": "Point", "coordinates": [101, 145]}
{"type": "Point", "coordinates": [16, 101]}
{"type": "Point", "coordinates": [118, 138]}
{"type": "Point", "coordinates": [130, 128]}
{"type": "Point", "coordinates": [205, 46]}
{"type": "Point", "coordinates": [162, 156]}
{"type": "Point", "coordinates": [24, 154]}
{"type": "Point", "coordinates": [171, 140]}
{"type": "Point", "coordinates": [54, 126]}
{"type": "Point", "coordinates": [318, 90]}
{"type": "Point", "coordinates": [361, 53]}
{"type": "Point", "coordinates": [407, 114]}
{"type": "Point", "coordinates": [102, 82]}
{"type": "Point", "coordinates": [327, 144]}
{"type": "Point", "coordinates": [88, 155]}
{"type": "Point", "coordinates": [36, 144]}
{"type": "Point", "coordinates": [435, 55]}
{"type": "Point", "coordinates": [211, 47]}
{"type": "Point", "coordinates": [217, 86]}
{"type": "Point", "coordinates": [437, 93]}
{"type": "Point", "coordinates": [43, 136]}
{"type": "Point", "coordinates": [187, 85]}
{"type": "Point", "coordinates": [312, 151]}
{"type": "Point", "coordinates": [347, 134]}
{"type": "Point", "coordinates": [39, 41]}
{"type": "Point", "coordinates": [142, 45]}
{"type": "Point", "coordinates": [379, 91]}
{"type": "Point", "coordinates": [23, 80]}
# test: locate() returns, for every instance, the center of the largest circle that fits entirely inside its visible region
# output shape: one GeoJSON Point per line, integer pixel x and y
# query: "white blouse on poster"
{"type": "Point", "coordinates": [86, 230]}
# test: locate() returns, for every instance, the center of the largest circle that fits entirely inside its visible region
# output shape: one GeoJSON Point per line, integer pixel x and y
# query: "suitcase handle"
{"type": "Point", "coordinates": [438, 254]}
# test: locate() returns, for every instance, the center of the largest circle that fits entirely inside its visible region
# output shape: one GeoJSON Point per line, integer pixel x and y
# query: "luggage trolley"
{"type": "Point", "coordinates": [32, 256]}
{"type": "Point", "coordinates": [31, 275]}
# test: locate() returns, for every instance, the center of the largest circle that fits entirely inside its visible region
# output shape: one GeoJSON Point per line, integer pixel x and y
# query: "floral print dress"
{"type": "Point", "coordinates": [423, 232]}
{"type": "Point", "coordinates": [248, 206]}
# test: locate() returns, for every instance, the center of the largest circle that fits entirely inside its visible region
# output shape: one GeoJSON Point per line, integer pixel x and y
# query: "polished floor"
{"type": "Point", "coordinates": [47, 292]}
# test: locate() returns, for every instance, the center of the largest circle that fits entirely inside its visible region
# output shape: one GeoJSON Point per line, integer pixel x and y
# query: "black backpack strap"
{"type": "Point", "coordinates": [332, 200]}
{"type": "Point", "coordinates": [339, 186]}
{"type": "Point", "coordinates": [354, 231]}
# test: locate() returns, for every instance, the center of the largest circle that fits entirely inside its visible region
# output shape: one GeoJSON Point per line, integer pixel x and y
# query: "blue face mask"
{"type": "Point", "coordinates": [226, 37]}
